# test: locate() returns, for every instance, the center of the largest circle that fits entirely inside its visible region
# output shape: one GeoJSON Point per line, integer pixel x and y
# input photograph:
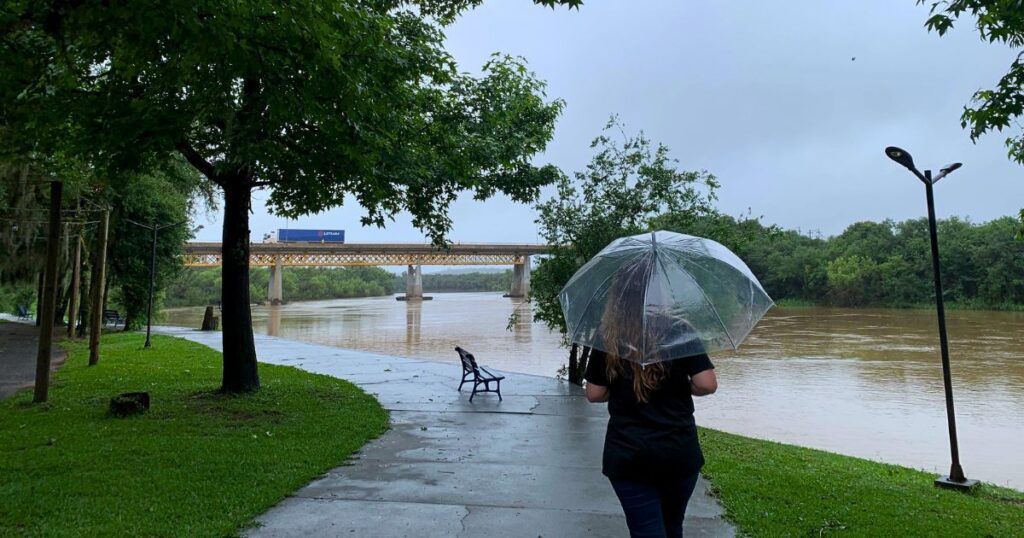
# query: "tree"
{"type": "Point", "coordinates": [628, 183]}
{"type": "Point", "coordinates": [313, 101]}
{"type": "Point", "coordinates": [997, 21]}
{"type": "Point", "coordinates": [166, 195]}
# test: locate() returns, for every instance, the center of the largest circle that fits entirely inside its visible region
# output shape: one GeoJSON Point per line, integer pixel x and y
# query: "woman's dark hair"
{"type": "Point", "coordinates": [623, 330]}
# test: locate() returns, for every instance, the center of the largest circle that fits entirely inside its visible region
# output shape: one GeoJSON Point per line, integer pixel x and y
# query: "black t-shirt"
{"type": "Point", "coordinates": [655, 440]}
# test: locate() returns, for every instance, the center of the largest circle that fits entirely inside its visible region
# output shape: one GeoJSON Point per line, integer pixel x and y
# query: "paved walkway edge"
{"type": "Point", "coordinates": [525, 466]}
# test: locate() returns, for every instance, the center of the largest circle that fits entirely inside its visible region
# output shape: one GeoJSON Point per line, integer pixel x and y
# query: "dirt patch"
{"type": "Point", "coordinates": [217, 404]}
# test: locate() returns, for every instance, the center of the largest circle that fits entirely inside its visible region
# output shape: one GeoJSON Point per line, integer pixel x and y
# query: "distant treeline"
{"type": "Point", "coordinates": [889, 264]}
{"type": "Point", "coordinates": [201, 286]}
{"type": "Point", "coordinates": [870, 264]}
{"type": "Point", "coordinates": [197, 287]}
{"type": "Point", "coordinates": [453, 282]}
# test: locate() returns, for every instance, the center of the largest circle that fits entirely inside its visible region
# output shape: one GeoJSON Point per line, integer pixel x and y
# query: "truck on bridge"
{"type": "Point", "coordinates": [283, 235]}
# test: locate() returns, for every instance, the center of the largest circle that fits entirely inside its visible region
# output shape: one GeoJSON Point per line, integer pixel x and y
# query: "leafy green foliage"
{"type": "Point", "coordinates": [314, 101]}
{"type": "Point", "coordinates": [201, 286]}
{"type": "Point", "coordinates": [447, 10]}
{"type": "Point", "coordinates": [17, 293]}
{"type": "Point", "coordinates": [889, 264]}
{"type": "Point", "coordinates": [162, 197]}
{"type": "Point", "coordinates": [996, 109]}
{"type": "Point", "coordinates": [493, 281]}
{"type": "Point", "coordinates": [628, 183]}
{"type": "Point", "coordinates": [196, 464]}
{"type": "Point", "coordinates": [772, 489]}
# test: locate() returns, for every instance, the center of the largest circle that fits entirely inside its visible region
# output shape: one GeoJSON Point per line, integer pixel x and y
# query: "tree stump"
{"type": "Point", "coordinates": [209, 320]}
{"type": "Point", "coordinates": [129, 403]}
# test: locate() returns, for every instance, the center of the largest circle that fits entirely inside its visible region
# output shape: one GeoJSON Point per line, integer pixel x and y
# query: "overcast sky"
{"type": "Point", "coordinates": [789, 103]}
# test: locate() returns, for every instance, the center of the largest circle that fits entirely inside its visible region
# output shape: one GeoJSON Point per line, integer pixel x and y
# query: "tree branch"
{"type": "Point", "coordinates": [198, 161]}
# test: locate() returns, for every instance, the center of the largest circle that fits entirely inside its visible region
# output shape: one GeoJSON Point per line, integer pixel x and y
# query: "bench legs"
{"type": "Point", "coordinates": [487, 387]}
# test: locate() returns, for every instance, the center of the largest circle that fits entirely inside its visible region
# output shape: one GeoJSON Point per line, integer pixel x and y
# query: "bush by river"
{"type": "Point", "coordinates": [888, 263]}
{"type": "Point", "coordinates": [201, 286]}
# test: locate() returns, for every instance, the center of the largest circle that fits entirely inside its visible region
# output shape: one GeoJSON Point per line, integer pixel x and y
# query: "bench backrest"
{"type": "Point", "coordinates": [111, 314]}
{"type": "Point", "coordinates": [22, 310]}
{"type": "Point", "coordinates": [468, 361]}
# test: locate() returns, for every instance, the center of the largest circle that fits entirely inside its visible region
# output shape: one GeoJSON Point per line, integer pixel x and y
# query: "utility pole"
{"type": "Point", "coordinates": [46, 313]}
{"type": "Point", "coordinates": [99, 262]}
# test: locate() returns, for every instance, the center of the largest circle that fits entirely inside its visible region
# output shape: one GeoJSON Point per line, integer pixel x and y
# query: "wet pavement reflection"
{"type": "Point", "coordinates": [861, 382]}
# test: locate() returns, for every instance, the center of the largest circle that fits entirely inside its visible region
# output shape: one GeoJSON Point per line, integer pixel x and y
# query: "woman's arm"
{"type": "Point", "coordinates": [596, 393]}
{"type": "Point", "coordinates": [702, 384]}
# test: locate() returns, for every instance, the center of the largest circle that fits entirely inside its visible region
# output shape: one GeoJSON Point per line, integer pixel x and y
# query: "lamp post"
{"type": "Point", "coordinates": [152, 271]}
{"type": "Point", "coordinates": [956, 478]}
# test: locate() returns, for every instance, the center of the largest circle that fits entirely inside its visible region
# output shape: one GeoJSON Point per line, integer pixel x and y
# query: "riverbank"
{"type": "Point", "coordinates": [773, 489]}
{"type": "Point", "coordinates": [528, 465]}
{"type": "Point", "coordinates": [205, 465]}
{"type": "Point", "coordinates": [197, 464]}
{"type": "Point", "coordinates": [539, 451]}
{"type": "Point", "coordinates": [869, 380]}
{"type": "Point", "coordinates": [950, 305]}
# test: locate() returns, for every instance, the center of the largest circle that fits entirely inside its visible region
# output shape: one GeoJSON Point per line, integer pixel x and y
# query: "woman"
{"type": "Point", "coordinates": [651, 452]}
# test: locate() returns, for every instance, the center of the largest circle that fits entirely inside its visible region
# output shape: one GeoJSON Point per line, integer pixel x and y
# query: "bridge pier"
{"type": "Point", "coordinates": [521, 279]}
{"type": "Point", "coordinates": [275, 292]}
{"type": "Point", "coordinates": [414, 285]}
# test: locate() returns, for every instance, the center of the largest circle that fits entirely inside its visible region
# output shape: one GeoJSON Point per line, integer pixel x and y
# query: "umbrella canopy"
{"type": "Point", "coordinates": [663, 295]}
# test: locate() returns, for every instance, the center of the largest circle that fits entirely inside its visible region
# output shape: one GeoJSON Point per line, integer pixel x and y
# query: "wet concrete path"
{"type": "Point", "coordinates": [19, 347]}
{"type": "Point", "coordinates": [527, 466]}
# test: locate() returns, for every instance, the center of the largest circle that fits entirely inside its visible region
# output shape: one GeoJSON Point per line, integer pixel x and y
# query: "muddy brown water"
{"type": "Point", "coordinates": [862, 382]}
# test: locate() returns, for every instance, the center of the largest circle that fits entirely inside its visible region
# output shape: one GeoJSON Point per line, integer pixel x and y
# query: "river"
{"type": "Point", "coordinates": [862, 382]}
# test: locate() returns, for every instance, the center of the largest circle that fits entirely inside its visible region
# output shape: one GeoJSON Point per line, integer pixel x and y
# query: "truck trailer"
{"type": "Point", "coordinates": [284, 235]}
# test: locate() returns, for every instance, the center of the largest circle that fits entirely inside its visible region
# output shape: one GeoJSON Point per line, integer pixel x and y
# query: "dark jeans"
{"type": "Point", "coordinates": [655, 510]}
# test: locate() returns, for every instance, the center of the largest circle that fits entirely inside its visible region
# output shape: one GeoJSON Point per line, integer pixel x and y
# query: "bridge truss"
{"type": "Point", "coordinates": [365, 254]}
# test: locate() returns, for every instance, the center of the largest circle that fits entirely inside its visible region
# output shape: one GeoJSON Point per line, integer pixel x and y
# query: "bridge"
{"type": "Point", "coordinates": [414, 255]}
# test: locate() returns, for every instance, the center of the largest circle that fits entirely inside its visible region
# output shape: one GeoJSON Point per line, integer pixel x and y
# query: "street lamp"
{"type": "Point", "coordinates": [956, 478]}
{"type": "Point", "coordinates": [152, 270]}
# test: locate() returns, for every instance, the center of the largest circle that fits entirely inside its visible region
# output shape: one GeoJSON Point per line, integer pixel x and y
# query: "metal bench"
{"type": "Point", "coordinates": [112, 317]}
{"type": "Point", "coordinates": [23, 312]}
{"type": "Point", "coordinates": [479, 375]}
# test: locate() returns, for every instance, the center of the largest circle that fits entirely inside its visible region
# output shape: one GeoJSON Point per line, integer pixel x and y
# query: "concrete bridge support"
{"type": "Point", "coordinates": [275, 292]}
{"type": "Point", "coordinates": [413, 284]}
{"type": "Point", "coordinates": [521, 279]}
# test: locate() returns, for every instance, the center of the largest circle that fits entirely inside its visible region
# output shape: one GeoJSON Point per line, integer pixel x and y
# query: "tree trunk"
{"type": "Point", "coordinates": [42, 388]}
{"type": "Point", "coordinates": [240, 370]}
{"type": "Point", "coordinates": [85, 303]}
{"type": "Point", "coordinates": [574, 376]}
{"type": "Point", "coordinates": [61, 304]}
{"type": "Point", "coordinates": [578, 359]}
{"type": "Point", "coordinates": [99, 265]}
{"type": "Point", "coordinates": [76, 277]}
{"type": "Point", "coordinates": [584, 360]}
{"type": "Point", "coordinates": [39, 298]}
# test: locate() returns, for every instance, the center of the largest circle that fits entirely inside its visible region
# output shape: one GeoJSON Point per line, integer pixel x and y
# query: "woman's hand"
{"type": "Point", "coordinates": [703, 383]}
{"type": "Point", "coordinates": [596, 393]}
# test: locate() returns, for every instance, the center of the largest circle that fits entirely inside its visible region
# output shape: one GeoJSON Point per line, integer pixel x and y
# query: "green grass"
{"type": "Point", "coordinates": [771, 489]}
{"type": "Point", "coordinates": [197, 464]}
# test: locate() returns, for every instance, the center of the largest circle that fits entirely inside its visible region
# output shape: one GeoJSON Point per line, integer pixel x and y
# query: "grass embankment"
{"type": "Point", "coordinates": [197, 464]}
{"type": "Point", "coordinates": [771, 489]}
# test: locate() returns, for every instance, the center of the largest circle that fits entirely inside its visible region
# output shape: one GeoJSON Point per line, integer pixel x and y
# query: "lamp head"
{"type": "Point", "coordinates": [900, 156]}
{"type": "Point", "coordinates": [950, 167]}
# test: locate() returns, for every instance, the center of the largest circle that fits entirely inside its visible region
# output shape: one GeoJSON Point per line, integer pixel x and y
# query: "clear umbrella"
{"type": "Point", "coordinates": [663, 295]}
